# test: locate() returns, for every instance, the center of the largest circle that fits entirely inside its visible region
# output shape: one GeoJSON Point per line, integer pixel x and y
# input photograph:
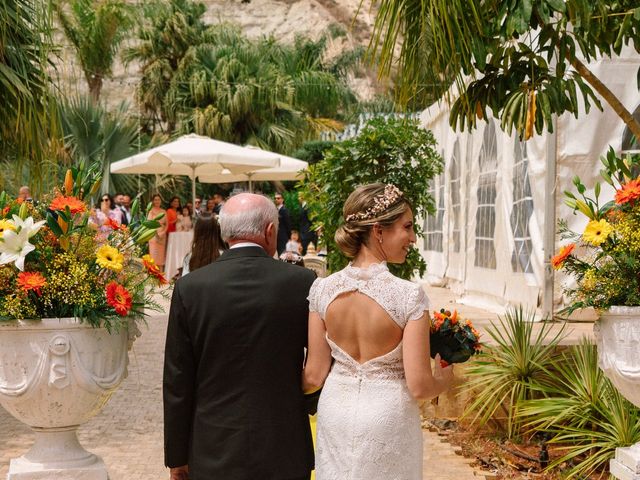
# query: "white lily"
{"type": "Point", "coordinates": [27, 224]}
{"type": "Point", "coordinates": [15, 246]}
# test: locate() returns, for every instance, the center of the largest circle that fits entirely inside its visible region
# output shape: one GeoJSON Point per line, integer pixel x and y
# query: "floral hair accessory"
{"type": "Point", "coordinates": [381, 202]}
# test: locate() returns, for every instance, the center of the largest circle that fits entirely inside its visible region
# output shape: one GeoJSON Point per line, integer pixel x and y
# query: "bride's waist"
{"type": "Point", "coordinates": [393, 373]}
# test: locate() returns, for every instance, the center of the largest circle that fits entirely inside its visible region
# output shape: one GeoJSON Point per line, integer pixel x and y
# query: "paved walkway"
{"type": "Point", "coordinates": [128, 434]}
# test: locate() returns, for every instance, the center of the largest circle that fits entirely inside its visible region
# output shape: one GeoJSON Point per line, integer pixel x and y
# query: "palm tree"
{"type": "Point", "coordinates": [27, 108]}
{"type": "Point", "coordinates": [521, 54]}
{"type": "Point", "coordinates": [166, 32]}
{"type": "Point", "coordinates": [96, 29]}
{"type": "Point", "coordinates": [260, 92]}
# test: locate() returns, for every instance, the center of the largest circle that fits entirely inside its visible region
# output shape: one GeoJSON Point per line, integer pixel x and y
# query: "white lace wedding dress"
{"type": "Point", "coordinates": [368, 423]}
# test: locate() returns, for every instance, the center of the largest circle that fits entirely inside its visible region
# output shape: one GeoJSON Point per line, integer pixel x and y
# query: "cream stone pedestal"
{"type": "Point", "coordinates": [55, 374]}
{"type": "Point", "coordinates": [618, 336]}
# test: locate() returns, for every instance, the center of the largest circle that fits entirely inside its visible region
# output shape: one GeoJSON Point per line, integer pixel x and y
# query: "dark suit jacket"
{"type": "Point", "coordinates": [233, 403]}
{"type": "Point", "coordinates": [284, 229]}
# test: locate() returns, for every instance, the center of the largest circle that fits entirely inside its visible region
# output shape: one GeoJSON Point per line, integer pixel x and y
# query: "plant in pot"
{"type": "Point", "coordinates": [72, 287]}
{"type": "Point", "coordinates": [604, 259]}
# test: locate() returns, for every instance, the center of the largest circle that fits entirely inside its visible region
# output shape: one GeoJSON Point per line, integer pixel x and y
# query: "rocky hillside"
{"type": "Point", "coordinates": [280, 18]}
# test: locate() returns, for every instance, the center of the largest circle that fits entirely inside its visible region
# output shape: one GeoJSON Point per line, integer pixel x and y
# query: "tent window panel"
{"type": "Point", "coordinates": [454, 185]}
{"type": "Point", "coordinates": [433, 223]}
{"type": "Point", "coordinates": [522, 212]}
{"type": "Point", "coordinates": [485, 254]}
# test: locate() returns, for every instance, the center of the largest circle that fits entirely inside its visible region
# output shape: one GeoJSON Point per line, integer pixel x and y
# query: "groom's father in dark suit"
{"type": "Point", "coordinates": [233, 403]}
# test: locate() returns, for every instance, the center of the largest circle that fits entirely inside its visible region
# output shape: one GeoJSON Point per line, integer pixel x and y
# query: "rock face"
{"type": "Point", "coordinates": [281, 18]}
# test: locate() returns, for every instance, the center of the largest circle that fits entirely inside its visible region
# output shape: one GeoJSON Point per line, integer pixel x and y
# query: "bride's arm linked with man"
{"type": "Point", "coordinates": [234, 407]}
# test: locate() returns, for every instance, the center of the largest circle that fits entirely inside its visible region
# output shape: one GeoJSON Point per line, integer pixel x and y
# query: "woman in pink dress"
{"type": "Point", "coordinates": [158, 244]}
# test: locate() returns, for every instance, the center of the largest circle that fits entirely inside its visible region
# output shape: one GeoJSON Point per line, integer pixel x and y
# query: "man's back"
{"type": "Point", "coordinates": [233, 362]}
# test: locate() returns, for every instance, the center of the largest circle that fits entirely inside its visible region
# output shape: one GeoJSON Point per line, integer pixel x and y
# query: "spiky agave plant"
{"type": "Point", "coordinates": [583, 412]}
{"type": "Point", "coordinates": [505, 375]}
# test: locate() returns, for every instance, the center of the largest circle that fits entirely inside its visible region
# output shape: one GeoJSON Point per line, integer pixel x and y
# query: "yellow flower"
{"type": "Point", "coordinates": [109, 257]}
{"type": "Point", "coordinates": [6, 225]}
{"type": "Point", "coordinates": [597, 232]}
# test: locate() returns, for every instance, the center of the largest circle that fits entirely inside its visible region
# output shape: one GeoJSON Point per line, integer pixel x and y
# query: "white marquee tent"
{"type": "Point", "coordinates": [498, 199]}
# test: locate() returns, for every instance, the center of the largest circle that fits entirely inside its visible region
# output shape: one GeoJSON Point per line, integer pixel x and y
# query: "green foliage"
{"type": "Point", "coordinates": [215, 81]}
{"type": "Point", "coordinates": [583, 412]}
{"type": "Point", "coordinates": [94, 136]}
{"type": "Point", "coordinates": [517, 59]}
{"type": "Point", "coordinates": [96, 31]}
{"type": "Point", "coordinates": [391, 151]}
{"type": "Point", "coordinates": [313, 150]}
{"type": "Point", "coordinates": [503, 376]}
{"type": "Point", "coordinates": [27, 106]}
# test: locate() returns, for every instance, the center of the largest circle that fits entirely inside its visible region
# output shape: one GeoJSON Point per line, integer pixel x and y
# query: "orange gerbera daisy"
{"type": "Point", "coordinates": [558, 260]}
{"type": "Point", "coordinates": [153, 270]}
{"type": "Point", "coordinates": [114, 224]}
{"type": "Point", "coordinates": [629, 192]}
{"type": "Point", "coordinates": [31, 281]}
{"type": "Point", "coordinates": [60, 203]}
{"type": "Point", "coordinates": [119, 298]}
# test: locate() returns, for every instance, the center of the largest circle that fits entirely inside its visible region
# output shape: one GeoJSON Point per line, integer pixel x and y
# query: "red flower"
{"type": "Point", "coordinates": [628, 192]}
{"type": "Point", "coordinates": [119, 298]}
{"type": "Point", "coordinates": [31, 281]}
{"type": "Point", "coordinates": [5, 210]}
{"type": "Point", "coordinates": [562, 255]}
{"type": "Point", "coordinates": [61, 202]}
{"type": "Point", "coordinates": [153, 270]}
{"type": "Point", "coordinates": [114, 224]}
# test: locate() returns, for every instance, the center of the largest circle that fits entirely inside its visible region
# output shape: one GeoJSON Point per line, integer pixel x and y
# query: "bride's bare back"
{"type": "Point", "coordinates": [361, 327]}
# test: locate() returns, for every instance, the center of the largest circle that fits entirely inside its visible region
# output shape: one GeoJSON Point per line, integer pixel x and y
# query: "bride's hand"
{"type": "Point", "coordinates": [443, 375]}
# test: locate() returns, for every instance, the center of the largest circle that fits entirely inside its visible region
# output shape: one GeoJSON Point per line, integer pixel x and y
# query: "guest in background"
{"type": "Point", "coordinates": [197, 207]}
{"type": "Point", "coordinates": [293, 245]}
{"type": "Point", "coordinates": [307, 235]}
{"type": "Point", "coordinates": [172, 214]}
{"type": "Point", "coordinates": [119, 201]}
{"type": "Point", "coordinates": [211, 205]}
{"type": "Point", "coordinates": [207, 244]}
{"type": "Point", "coordinates": [218, 199]}
{"type": "Point", "coordinates": [184, 223]}
{"type": "Point", "coordinates": [24, 194]}
{"type": "Point", "coordinates": [100, 215]}
{"type": "Point", "coordinates": [284, 223]}
{"type": "Point", "coordinates": [158, 244]}
{"type": "Point", "coordinates": [126, 206]}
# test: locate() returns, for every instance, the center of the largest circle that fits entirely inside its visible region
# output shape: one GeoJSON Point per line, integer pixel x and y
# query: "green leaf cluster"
{"type": "Point", "coordinates": [517, 59]}
{"type": "Point", "coordinates": [395, 151]}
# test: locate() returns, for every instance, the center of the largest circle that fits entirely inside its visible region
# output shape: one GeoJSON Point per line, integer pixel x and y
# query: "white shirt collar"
{"type": "Point", "coordinates": [244, 244]}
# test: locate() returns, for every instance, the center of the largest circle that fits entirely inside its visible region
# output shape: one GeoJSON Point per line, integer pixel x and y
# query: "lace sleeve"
{"type": "Point", "coordinates": [418, 303]}
{"type": "Point", "coordinates": [314, 295]}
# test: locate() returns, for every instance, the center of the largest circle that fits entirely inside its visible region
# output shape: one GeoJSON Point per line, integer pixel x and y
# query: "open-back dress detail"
{"type": "Point", "coordinates": [368, 422]}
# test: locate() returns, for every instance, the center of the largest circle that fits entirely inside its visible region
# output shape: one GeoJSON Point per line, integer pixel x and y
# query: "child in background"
{"type": "Point", "coordinates": [294, 245]}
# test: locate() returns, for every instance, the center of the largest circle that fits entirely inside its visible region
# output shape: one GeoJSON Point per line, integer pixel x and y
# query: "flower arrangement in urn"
{"type": "Point", "coordinates": [454, 338]}
{"type": "Point", "coordinates": [54, 262]}
{"type": "Point", "coordinates": [605, 257]}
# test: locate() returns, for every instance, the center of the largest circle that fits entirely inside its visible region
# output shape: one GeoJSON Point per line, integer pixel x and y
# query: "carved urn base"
{"type": "Point", "coordinates": [55, 374]}
{"type": "Point", "coordinates": [618, 336]}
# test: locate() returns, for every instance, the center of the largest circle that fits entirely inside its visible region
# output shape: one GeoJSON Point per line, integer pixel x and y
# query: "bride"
{"type": "Point", "coordinates": [375, 328]}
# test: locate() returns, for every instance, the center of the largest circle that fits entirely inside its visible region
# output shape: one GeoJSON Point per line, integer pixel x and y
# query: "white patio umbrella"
{"type": "Point", "coordinates": [289, 169]}
{"type": "Point", "coordinates": [195, 155]}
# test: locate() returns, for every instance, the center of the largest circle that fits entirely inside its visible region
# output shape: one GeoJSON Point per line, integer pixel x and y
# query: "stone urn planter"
{"type": "Point", "coordinates": [55, 374]}
{"type": "Point", "coordinates": [618, 337]}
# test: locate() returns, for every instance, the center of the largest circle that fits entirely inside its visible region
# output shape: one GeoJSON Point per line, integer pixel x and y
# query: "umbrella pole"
{"type": "Point", "coordinates": [193, 187]}
{"type": "Point", "coordinates": [250, 183]}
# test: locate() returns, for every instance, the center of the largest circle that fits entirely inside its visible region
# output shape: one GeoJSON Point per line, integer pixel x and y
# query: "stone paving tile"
{"type": "Point", "coordinates": [128, 433]}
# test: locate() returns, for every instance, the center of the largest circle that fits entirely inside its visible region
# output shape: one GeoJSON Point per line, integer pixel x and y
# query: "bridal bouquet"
{"type": "Point", "coordinates": [453, 338]}
{"type": "Point", "coordinates": [54, 262]}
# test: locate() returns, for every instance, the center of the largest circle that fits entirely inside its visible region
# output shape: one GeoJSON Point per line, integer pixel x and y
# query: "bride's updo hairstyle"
{"type": "Point", "coordinates": [367, 205]}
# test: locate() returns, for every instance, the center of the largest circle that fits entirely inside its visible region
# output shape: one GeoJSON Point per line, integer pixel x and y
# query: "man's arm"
{"type": "Point", "coordinates": [178, 386]}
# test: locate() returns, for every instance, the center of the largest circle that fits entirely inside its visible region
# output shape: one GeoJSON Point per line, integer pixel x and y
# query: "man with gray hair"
{"type": "Point", "coordinates": [233, 402]}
